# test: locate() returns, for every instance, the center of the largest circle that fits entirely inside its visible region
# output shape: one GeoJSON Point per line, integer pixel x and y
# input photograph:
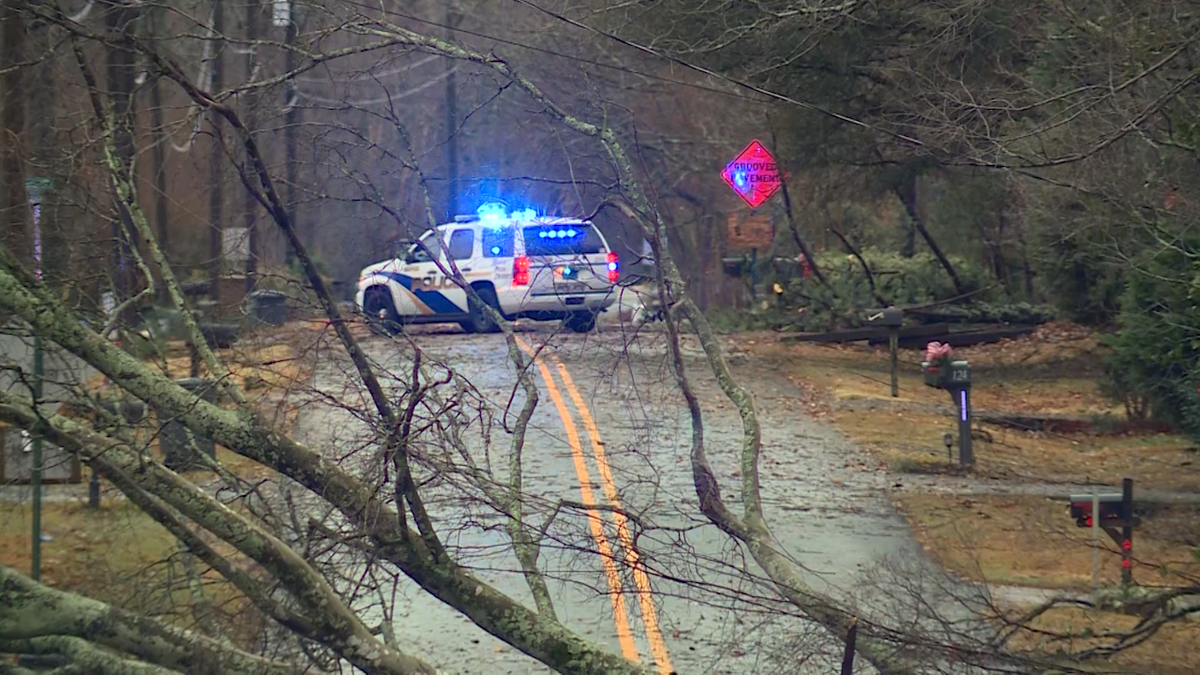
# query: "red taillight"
{"type": "Point", "coordinates": [520, 271]}
{"type": "Point", "coordinates": [614, 272]}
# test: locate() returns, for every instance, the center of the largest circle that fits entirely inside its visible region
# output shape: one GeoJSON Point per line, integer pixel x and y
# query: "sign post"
{"type": "Point", "coordinates": [893, 318]}
{"type": "Point", "coordinates": [1095, 542]}
{"type": "Point", "coordinates": [1127, 532]}
{"type": "Point", "coordinates": [753, 174]}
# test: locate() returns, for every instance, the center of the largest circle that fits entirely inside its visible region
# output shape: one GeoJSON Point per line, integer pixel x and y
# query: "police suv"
{"type": "Point", "coordinates": [523, 265]}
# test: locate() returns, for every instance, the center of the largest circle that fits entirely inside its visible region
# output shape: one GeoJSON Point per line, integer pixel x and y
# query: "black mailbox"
{"type": "Point", "coordinates": [957, 374]}
{"type": "Point", "coordinates": [1112, 510]}
{"type": "Point", "coordinates": [949, 376]}
{"type": "Point", "coordinates": [888, 316]}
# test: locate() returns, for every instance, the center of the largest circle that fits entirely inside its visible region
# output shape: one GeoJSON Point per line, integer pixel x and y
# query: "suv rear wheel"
{"type": "Point", "coordinates": [380, 313]}
{"type": "Point", "coordinates": [479, 321]}
{"type": "Point", "coordinates": [581, 322]}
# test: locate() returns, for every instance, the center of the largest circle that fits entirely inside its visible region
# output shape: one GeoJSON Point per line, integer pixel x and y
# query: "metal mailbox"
{"type": "Point", "coordinates": [1112, 508]}
{"type": "Point", "coordinates": [888, 316]}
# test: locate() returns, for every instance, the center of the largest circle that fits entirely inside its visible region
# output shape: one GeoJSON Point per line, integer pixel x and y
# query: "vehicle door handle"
{"type": "Point", "coordinates": [464, 269]}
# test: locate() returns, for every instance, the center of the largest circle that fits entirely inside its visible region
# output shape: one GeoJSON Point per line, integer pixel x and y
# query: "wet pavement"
{"type": "Point", "coordinates": [612, 420]}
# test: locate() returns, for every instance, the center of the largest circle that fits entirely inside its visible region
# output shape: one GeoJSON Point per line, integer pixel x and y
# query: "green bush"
{"type": "Point", "coordinates": [1153, 367]}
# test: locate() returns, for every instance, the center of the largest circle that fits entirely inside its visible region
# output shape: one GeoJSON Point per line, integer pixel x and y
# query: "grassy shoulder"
{"type": "Point", "coordinates": [1029, 541]}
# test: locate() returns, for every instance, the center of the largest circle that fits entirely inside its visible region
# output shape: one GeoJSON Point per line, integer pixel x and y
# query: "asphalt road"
{"type": "Point", "coordinates": [611, 430]}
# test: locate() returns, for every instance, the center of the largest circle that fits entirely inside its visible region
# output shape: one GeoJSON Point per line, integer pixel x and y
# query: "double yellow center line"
{"type": "Point", "coordinates": [640, 579]}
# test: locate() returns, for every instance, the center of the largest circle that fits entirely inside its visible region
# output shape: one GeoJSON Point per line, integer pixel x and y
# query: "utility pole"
{"type": "Point", "coordinates": [451, 20]}
{"type": "Point", "coordinates": [215, 193]}
{"type": "Point", "coordinates": [284, 15]}
{"type": "Point", "coordinates": [251, 205]}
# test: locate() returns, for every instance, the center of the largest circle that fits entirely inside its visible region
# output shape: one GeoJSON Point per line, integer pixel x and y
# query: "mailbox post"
{"type": "Point", "coordinates": [1110, 511]}
{"type": "Point", "coordinates": [893, 318]}
{"type": "Point", "coordinates": [955, 377]}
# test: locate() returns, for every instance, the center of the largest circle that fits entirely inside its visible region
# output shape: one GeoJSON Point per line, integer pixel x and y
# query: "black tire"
{"type": "Point", "coordinates": [380, 312]}
{"type": "Point", "coordinates": [479, 321]}
{"type": "Point", "coordinates": [581, 322]}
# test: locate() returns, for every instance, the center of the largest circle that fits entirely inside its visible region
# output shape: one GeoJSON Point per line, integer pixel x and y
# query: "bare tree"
{"type": "Point", "coordinates": [426, 455]}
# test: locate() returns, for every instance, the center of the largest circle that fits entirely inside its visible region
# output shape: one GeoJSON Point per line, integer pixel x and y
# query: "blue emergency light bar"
{"type": "Point", "coordinates": [494, 212]}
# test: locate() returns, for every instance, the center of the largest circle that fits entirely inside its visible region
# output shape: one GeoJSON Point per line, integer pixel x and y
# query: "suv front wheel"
{"type": "Point", "coordinates": [581, 322]}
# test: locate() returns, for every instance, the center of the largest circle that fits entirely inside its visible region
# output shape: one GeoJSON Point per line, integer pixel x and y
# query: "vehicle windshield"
{"type": "Point", "coordinates": [557, 239]}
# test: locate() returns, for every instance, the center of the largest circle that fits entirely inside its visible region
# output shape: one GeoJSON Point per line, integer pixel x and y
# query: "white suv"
{"type": "Point", "coordinates": [523, 265]}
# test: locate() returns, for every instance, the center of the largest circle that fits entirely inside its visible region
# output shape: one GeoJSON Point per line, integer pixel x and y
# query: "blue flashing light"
{"type": "Point", "coordinates": [491, 212]}
{"type": "Point", "coordinates": [567, 271]}
{"type": "Point", "coordinates": [740, 179]}
{"type": "Point", "coordinates": [612, 267]}
{"type": "Point", "coordinates": [526, 214]}
{"type": "Point", "coordinates": [559, 234]}
{"type": "Point", "coordinates": [495, 250]}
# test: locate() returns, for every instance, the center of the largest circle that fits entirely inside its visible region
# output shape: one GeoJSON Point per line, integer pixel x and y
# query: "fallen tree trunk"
{"type": "Point", "coordinates": [868, 333]}
{"type": "Point", "coordinates": [969, 338]}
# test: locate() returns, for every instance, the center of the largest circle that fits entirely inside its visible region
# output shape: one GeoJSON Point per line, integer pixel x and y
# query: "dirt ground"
{"type": "Point", "coordinates": [1170, 651]}
{"type": "Point", "coordinates": [1028, 541]}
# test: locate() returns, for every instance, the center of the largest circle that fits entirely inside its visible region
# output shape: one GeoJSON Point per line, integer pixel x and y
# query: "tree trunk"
{"type": "Point", "coordinates": [907, 192]}
{"type": "Point", "coordinates": [29, 610]}
{"type": "Point", "coordinates": [997, 258]}
{"type": "Point", "coordinates": [14, 203]}
{"type": "Point", "coordinates": [120, 18]}
{"type": "Point", "coordinates": [251, 205]}
{"type": "Point", "coordinates": [290, 120]}
{"type": "Point", "coordinates": [162, 213]}
{"type": "Point", "coordinates": [215, 160]}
